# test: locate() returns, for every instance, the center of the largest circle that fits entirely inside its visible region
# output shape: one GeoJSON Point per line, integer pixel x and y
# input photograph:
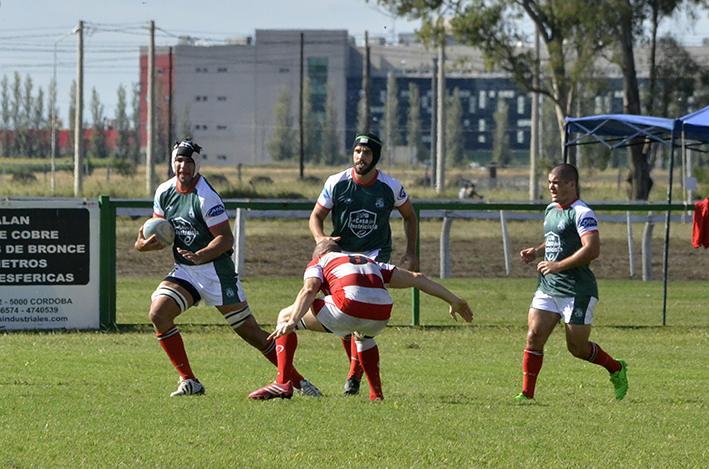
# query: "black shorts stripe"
{"type": "Point", "coordinates": [187, 286]}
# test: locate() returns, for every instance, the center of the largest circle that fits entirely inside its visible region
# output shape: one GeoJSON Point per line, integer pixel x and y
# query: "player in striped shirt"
{"type": "Point", "coordinates": [360, 201]}
{"type": "Point", "coordinates": [356, 302]}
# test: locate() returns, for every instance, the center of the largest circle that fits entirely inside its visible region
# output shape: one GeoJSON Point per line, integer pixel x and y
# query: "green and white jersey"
{"type": "Point", "coordinates": [360, 213]}
{"type": "Point", "coordinates": [192, 214]}
{"type": "Point", "coordinates": [563, 229]}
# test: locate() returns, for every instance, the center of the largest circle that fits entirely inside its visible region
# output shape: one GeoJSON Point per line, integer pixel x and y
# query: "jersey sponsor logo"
{"type": "Point", "coordinates": [347, 201]}
{"type": "Point", "coordinates": [229, 292]}
{"type": "Point", "coordinates": [588, 223]}
{"type": "Point", "coordinates": [379, 203]}
{"type": "Point", "coordinates": [552, 246]}
{"type": "Point", "coordinates": [561, 226]}
{"type": "Point", "coordinates": [362, 223]}
{"type": "Point", "coordinates": [216, 210]}
{"type": "Point", "coordinates": [184, 230]}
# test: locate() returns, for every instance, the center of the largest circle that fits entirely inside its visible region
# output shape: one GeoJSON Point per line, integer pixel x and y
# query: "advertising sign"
{"type": "Point", "coordinates": [49, 264]}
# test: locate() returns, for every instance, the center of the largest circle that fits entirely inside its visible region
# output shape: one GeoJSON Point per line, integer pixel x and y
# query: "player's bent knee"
{"type": "Point", "coordinates": [173, 294]}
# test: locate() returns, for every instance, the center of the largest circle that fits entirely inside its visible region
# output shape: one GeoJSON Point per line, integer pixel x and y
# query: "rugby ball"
{"type": "Point", "coordinates": [160, 227]}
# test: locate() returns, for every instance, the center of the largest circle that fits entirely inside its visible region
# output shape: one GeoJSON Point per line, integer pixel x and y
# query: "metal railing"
{"type": "Point", "coordinates": [448, 210]}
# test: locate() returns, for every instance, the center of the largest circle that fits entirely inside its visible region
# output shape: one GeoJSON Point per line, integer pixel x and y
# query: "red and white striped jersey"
{"type": "Point", "coordinates": [355, 283]}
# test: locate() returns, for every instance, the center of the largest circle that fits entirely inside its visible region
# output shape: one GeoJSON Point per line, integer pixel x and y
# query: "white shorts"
{"type": "Point", "coordinates": [574, 310]}
{"type": "Point", "coordinates": [342, 324]}
{"type": "Point", "coordinates": [216, 288]}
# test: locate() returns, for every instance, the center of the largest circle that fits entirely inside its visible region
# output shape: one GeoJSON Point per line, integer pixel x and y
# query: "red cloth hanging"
{"type": "Point", "coordinates": [700, 224]}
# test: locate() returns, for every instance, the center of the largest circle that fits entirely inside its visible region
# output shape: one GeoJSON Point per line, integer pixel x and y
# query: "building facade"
{"type": "Point", "coordinates": [224, 96]}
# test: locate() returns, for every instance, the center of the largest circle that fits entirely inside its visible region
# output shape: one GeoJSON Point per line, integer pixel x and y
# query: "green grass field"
{"type": "Point", "coordinates": [101, 399]}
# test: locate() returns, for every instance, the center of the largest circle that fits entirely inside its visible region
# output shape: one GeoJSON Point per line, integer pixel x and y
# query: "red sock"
{"type": "Point", "coordinates": [285, 349]}
{"type": "Point", "coordinates": [531, 364]}
{"type": "Point", "coordinates": [370, 363]}
{"type": "Point", "coordinates": [347, 344]}
{"type": "Point", "coordinates": [173, 345]}
{"type": "Point", "coordinates": [355, 365]}
{"type": "Point", "coordinates": [270, 353]}
{"type": "Point", "coordinates": [599, 357]}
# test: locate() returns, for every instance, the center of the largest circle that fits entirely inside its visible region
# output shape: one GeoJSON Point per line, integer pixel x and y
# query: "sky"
{"type": "Point", "coordinates": [37, 40]}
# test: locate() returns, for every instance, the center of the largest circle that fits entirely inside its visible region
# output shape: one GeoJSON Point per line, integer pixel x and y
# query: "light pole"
{"type": "Point", "coordinates": [54, 113]}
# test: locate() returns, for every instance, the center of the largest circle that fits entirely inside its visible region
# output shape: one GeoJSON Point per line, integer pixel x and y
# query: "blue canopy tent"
{"type": "Point", "coordinates": [624, 130]}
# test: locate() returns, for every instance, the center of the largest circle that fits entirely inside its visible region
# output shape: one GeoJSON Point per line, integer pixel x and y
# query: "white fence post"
{"type": "Point", "coordinates": [505, 242]}
{"type": "Point", "coordinates": [445, 252]}
{"type": "Point", "coordinates": [239, 240]}
{"type": "Point", "coordinates": [631, 245]}
{"type": "Point", "coordinates": [647, 248]}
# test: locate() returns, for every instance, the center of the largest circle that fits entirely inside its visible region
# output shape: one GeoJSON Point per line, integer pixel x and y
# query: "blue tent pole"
{"type": "Point", "coordinates": [665, 255]}
{"type": "Point", "coordinates": [566, 141]}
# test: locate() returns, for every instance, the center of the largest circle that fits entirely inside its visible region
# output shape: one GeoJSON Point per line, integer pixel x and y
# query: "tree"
{"type": "Point", "coordinates": [162, 146]}
{"type": "Point", "coordinates": [363, 123]}
{"type": "Point", "coordinates": [18, 122]}
{"type": "Point", "coordinates": [678, 76]}
{"type": "Point", "coordinates": [280, 147]}
{"type": "Point", "coordinates": [53, 113]}
{"type": "Point", "coordinates": [392, 134]}
{"type": "Point", "coordinates": [5, 116]}
{"type": "Point", "coordinates": [310, 125]}
{"type": "Point", "coordinates": [573, 32]}
{"type": "Point", "coordinates": [72, 117]}
{"type": "Point", "coordinates": [454, 133]}
{"type": "Point", "coordinates": [135, 155]}
{"type": "Point", "coordinates": [331, 151]}
{"type": "Point", "coordinates": [40, 140]}
{"type": "Point", "coordinates": [97, 140]}
{"type": "Point", "coordinates": [551, 151]}
{"type": "Point", "coordinates": [414, 132]}
{"type": "Point", "coordinates": [185, 124]}
{"type": "Point", "coordinates": [121, 152]}
{"type": "Point", "coordinates": [501, 139]}
{"type": "Point", "coordinates": [628, 22]}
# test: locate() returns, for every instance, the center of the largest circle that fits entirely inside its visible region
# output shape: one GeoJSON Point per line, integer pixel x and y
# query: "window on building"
{"type": "Point", "coordinates": [520, 136]}
{"type": "Point", "coordinates": [317, 73]}
{"type": "Point", "coordinates": [520, 104]}
{"type": "Point", "coordinates": [482, 99]}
